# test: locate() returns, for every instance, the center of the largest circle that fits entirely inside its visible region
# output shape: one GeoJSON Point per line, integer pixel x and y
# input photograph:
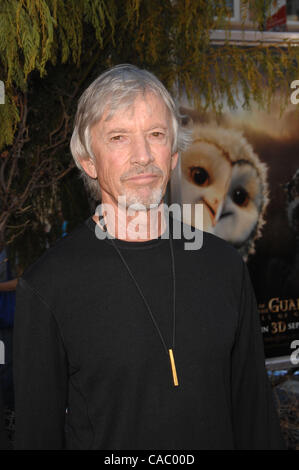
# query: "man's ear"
{"type": "Point", "coordinates": [89, 167]}
{"type": "Point", "coordinates": [174, 160]}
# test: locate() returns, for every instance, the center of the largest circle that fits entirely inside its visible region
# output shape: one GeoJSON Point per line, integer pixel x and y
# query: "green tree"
{"type": "Point", "coordinates": [50, 50]}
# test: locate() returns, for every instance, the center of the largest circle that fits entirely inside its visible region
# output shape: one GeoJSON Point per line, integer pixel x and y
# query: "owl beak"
{"type": "Point", "coordinates": [214, 207]}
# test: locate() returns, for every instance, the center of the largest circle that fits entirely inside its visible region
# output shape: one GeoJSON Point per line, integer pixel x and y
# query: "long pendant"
{"type": "Point", "coordinates": [173, 369]}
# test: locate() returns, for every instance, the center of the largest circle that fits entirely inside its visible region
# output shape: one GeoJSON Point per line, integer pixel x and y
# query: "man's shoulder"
{"type": "Point", "coordinates": [65, 255]}
{"type": "Point", "coordinates": [207, 245]}
{"type": "Point", "coordinates": [220, 249]}
{"type": "Point", "coordinates": [216, 261]}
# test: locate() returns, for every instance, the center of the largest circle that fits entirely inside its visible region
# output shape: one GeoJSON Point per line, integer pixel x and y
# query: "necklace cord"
{"type": "Point", "coordinates": [144, 299]}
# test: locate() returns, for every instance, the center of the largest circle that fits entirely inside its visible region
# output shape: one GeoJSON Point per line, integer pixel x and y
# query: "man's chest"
{"type": "Point", "coordinates": [109, 329]}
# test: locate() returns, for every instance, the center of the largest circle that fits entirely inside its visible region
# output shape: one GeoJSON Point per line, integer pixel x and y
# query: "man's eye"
{"type": "Point", "coordinates": [119, 139]}
{"type": "Point", "coordinates": [158, 135]}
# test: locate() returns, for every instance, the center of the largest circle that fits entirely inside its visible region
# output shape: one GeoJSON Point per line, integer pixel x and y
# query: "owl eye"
{"type": "Point", "coordinates": [240, 196]}
{"type": "Point", "coordinates": [199, 176]}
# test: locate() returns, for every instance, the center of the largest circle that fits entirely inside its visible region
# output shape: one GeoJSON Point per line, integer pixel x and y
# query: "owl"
{"type": "Point", "coordinates": [206, 171]}
{"type": "Point", "coordinates": [241, 219]}
{"type": "Point", "coordinates": [221, 171]}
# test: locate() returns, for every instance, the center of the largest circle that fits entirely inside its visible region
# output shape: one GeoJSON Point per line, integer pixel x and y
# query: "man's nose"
{"type": "Point", "coordinates": [141, 152]}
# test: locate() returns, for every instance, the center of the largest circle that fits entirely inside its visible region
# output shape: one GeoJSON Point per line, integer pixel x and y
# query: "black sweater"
{"type": "Point", "coordinates": [85, 341]}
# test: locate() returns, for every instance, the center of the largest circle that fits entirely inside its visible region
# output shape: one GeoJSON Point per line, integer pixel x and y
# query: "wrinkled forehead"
{"type": "Point", "coordinates": [126, 105]}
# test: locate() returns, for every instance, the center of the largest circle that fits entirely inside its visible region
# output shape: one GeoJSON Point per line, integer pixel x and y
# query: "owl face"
{"type": "Point", "coordinates": [206, 172]}
{"type": "Point", "coordinates": [242, 205]}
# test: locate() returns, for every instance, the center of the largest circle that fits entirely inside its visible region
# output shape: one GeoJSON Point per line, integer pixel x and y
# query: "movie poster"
{"type": "Point", "coordinates": [244, 169]}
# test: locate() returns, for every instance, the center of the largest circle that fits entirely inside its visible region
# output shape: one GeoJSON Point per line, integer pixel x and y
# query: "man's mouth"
{"type": "Point", "coordinates": [142, 178]}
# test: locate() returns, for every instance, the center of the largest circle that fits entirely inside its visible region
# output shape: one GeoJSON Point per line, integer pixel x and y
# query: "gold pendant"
{"type": "Point", "coordinates": [173, 369]}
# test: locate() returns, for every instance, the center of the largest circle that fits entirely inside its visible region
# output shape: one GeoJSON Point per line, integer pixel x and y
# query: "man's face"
{"type": "Point", "coordinates": [133, 152]}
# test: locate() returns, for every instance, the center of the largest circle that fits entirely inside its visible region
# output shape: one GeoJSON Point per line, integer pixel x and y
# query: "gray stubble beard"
{"type": "Point", "coordinates": [137, 203]}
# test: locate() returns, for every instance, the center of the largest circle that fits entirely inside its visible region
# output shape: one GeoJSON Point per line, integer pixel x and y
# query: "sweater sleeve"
{"type": "Point", "coordinates": [40, 374]}
{"type": "Point", "coordinates": [255, 420]}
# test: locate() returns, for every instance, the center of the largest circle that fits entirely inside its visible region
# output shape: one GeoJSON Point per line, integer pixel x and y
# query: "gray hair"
{"type": "Point", "coordinates": [117, 88]}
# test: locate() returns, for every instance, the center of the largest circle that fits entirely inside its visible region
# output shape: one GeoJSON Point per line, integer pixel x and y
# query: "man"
{"type": "Point", "coordinates": [147, 345]}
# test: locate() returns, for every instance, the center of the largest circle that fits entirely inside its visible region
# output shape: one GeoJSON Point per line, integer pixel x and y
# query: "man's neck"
{"type": "Point", "coordinates": [133, 225]}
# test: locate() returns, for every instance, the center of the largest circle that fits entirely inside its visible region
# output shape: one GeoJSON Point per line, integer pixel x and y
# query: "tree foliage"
{"type": "Point", "coordinates": [171, 37]}
{"type": "Point", "coordinates": [50, 50]}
